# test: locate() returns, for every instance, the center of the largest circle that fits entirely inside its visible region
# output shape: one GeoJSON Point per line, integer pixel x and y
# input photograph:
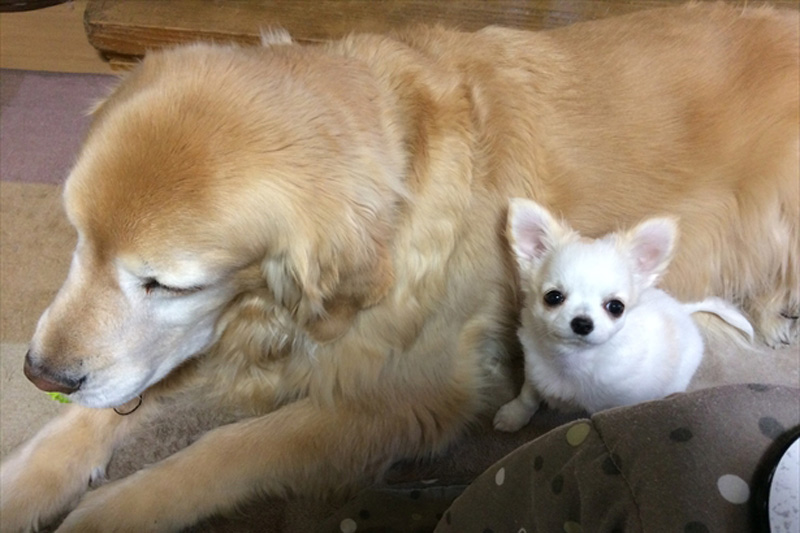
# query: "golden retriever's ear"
{"type": "Point", "coordinates": [325, 289]}
{"type": "Point", "coordinates": [332, 324]}
{"type": "Point", "coordinates": [347, 288]}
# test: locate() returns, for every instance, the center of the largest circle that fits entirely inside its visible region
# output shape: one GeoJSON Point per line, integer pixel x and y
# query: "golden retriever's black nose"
{"type": "Point", "coordinates": [47, 381]}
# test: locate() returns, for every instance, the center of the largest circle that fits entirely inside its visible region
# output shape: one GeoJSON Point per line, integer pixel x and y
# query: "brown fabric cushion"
{"type": "Point", "coordinates": [688, 463]}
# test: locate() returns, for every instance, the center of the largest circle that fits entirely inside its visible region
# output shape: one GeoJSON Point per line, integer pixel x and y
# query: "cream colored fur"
{"type": "Point", "coordinates": [328, 224]}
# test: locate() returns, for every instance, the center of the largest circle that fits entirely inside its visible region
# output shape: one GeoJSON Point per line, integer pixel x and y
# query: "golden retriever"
{"type": "Point", "coordinates": [315, 234]}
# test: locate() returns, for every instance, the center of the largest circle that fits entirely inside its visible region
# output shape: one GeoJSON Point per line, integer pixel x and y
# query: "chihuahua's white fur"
{"type": "Point", "coordinates": [649, 351]}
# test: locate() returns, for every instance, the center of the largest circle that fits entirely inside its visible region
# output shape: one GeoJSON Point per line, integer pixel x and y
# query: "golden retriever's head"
{"type": "Point", "coordinates": [206, 165]}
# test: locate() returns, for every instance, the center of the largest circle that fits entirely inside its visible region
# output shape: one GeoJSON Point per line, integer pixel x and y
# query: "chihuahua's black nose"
{"type": "Point", "coordinates": [582, 325]}
{"type": "Point", "coordinates": [48, 381]}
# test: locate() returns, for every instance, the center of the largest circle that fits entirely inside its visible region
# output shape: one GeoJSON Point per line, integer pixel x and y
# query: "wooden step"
{"type": "Point", "coordinates": [123, 30]}
{"type": "Point", "coordinates": [51, 39]}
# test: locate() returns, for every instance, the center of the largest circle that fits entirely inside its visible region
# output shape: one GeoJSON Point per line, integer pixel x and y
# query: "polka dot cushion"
{"type": "Point", "coordinates": [690, 463]}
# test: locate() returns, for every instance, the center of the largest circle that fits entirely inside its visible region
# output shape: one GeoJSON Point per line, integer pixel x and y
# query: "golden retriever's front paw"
{"type": "Point", "coordinates": [33, 495]}
{"type": "Point", "coordinates": [124, 506]}
{"type": "Point", "coordinates": [97, 513]}
{"type": "Point", "coordinates": [45, 477]}
{"type": "Point", "coordinates": [776, 320]}
{"type": "Point", "coordinates": [779, 329]}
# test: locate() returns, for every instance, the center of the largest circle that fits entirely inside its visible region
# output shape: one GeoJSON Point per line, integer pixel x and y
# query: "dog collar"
{"type": "Point", "coordinates": [123, 410]}
{"type": "Point", "coordinates": [128, 407]}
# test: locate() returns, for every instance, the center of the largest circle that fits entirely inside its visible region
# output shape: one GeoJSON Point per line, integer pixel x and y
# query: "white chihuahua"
{"type": "Point", "coordinates": [595, 331]}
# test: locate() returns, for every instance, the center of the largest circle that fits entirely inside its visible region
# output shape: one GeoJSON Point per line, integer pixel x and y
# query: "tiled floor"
{"type": "Point", "coordinates": [42, 122]}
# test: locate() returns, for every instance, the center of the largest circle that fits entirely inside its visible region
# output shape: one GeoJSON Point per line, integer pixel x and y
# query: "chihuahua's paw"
{"type": "Point", "coordinates": [513, 416]}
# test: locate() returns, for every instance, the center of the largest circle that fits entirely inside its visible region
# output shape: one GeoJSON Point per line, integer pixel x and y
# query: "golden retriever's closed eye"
{"type": "Point", "coordinates": [315, 235]}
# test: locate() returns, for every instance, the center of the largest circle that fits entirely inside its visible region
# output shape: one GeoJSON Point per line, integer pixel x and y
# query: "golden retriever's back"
{"type": "Point", "coordinates": [607, 113]}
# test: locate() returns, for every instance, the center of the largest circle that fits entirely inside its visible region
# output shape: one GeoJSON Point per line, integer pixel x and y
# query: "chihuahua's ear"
{"type": "Point", "coordinates": [650, 246]}
{"type": "Point", "coordinates": [532, 232]}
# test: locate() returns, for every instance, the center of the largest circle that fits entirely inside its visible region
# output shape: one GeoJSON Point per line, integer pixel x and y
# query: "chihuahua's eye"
{"type": "Point", "coordinates": [152, 284]}
{"type": "Point", "coordinates": [553, 298]}
{"type": "Point", "coordinates": [615, 308]}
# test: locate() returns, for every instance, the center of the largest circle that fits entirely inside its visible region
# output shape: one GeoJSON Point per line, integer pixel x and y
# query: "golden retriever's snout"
{"type": "Point", "coordinates": [48, 381]}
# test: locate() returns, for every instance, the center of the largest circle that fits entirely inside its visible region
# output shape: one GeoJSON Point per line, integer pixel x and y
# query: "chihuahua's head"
{"type": "Point", "coordinates": [579, 290]}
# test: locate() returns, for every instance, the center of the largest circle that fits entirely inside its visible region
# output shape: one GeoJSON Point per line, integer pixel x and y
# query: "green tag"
{"type": "Point", "coordinates": [60, 398]}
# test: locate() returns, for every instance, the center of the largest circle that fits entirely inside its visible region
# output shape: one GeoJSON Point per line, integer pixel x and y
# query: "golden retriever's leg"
{"type": "Point", "coordinates": [300, 448]}
{"type": "Point", "coordinates": [48, 474]}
